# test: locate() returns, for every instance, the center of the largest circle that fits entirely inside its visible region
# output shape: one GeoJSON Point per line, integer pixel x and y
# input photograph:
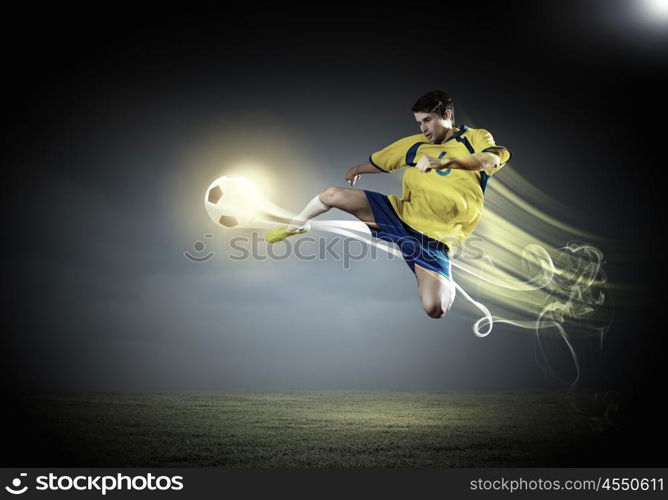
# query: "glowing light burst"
{"type": "Point", "coordinates": [528, 281]}
{"type": "Point", "coordinates": [657, 9]}
{"type": "Point", "coordinates": [236, 202]}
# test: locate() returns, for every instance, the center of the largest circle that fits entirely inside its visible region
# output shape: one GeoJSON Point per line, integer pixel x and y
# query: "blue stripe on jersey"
{"type": "Point", "coordinates": [412, 151]}
{"type": "Point", "coordinates": [372, 163]}
{"type": "Point", "coordinates": [484, 178]}
{"type": "Point", "coordinates": [466, 143]}
{"type": "Point", "coordinates": [462, 129]}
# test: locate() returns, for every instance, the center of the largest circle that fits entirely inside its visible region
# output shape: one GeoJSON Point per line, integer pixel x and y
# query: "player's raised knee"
{"type": "Point", "coordinates": [332, 196]}
{"type": "Point", "coordinates": [434, 309]}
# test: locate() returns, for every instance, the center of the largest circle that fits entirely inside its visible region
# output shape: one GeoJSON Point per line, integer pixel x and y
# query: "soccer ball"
{"type": "Point", "coordinates": [232, 201]}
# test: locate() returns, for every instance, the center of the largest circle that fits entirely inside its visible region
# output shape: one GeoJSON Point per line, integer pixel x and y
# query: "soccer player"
{"type": "Point", "coordinates": [441, 202]}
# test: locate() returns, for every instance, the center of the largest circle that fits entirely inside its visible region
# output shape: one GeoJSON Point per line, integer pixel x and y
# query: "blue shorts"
{"type": "Point", "coordinates": [416, 248]}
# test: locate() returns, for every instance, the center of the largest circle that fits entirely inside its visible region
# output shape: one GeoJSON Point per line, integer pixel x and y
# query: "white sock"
{"type": "Point", "coordinates": [312, 209]}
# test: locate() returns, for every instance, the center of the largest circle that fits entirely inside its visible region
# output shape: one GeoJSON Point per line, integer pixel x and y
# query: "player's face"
{"type": "Point", "coordinates": [434, 126]}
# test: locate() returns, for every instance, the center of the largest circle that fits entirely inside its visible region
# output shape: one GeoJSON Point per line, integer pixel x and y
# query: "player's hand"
{"type": "Point", "coordinates": [352, 176]}
{"type": "Point", "coordinates": [428, 163]}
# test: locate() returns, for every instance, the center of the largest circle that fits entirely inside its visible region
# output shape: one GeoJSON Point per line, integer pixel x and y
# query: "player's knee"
{"type": "Point", "coordinates": [434, 309]}
{"type": "Point", "coordinates": [332, 196]}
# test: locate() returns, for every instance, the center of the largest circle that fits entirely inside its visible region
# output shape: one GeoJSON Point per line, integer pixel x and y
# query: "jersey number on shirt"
{"type": "Point", "coordinates": [447, 170]}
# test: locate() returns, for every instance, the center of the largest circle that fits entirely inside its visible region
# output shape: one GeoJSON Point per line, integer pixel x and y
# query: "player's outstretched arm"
{"type": "Point", "coordinates": [487, 161]}
{"type": "Point", "coordinates": [353, 174]}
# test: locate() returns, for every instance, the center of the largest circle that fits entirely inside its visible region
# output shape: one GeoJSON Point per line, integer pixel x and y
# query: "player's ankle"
{"type": "Point", "coordinates": [298, 227]}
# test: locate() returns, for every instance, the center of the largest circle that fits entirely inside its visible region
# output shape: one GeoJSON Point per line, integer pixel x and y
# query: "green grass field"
{"type": "Point", "coordinates": [315, 429]}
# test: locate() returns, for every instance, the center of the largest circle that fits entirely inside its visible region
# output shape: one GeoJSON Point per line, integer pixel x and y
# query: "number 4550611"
{"type": "Point", "coordinates": [632, 484]}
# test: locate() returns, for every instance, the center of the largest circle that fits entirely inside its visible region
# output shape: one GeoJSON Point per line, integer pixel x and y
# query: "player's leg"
{"type": "Point", "coordinates": [437, 293]}
{"type": "Point", "coordinates": [353, 201]}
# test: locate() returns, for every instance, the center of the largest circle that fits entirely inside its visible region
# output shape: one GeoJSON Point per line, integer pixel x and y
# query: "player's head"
{"type": "Point", "coordinates": [435, 113]}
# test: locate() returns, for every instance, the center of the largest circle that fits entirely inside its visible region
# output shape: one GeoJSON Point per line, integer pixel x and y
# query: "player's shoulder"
{"type": "Point", "coordinates": [412, 139]}
{"type": "Point", "coordinates": [479, 135]}
{"type": "Point", "coordinates": [408, 141]}
{"type": "Point", "coordinates": [472, 131]}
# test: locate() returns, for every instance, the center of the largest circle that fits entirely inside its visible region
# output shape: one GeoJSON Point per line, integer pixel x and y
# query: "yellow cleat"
{"type": "Point", "coordinates": [282, 232]}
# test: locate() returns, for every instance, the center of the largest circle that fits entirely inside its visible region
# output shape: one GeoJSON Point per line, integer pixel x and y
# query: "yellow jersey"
{"type": "Point", "coordinates": [446, 205]}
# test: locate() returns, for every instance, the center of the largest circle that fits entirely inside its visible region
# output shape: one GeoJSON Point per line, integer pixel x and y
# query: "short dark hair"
{"type": "Point", "coordinates": [436, 101]}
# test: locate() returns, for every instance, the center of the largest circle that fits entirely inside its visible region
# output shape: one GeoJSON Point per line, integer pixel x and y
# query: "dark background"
{"type": "Point", "coordinates": [98, 104]}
